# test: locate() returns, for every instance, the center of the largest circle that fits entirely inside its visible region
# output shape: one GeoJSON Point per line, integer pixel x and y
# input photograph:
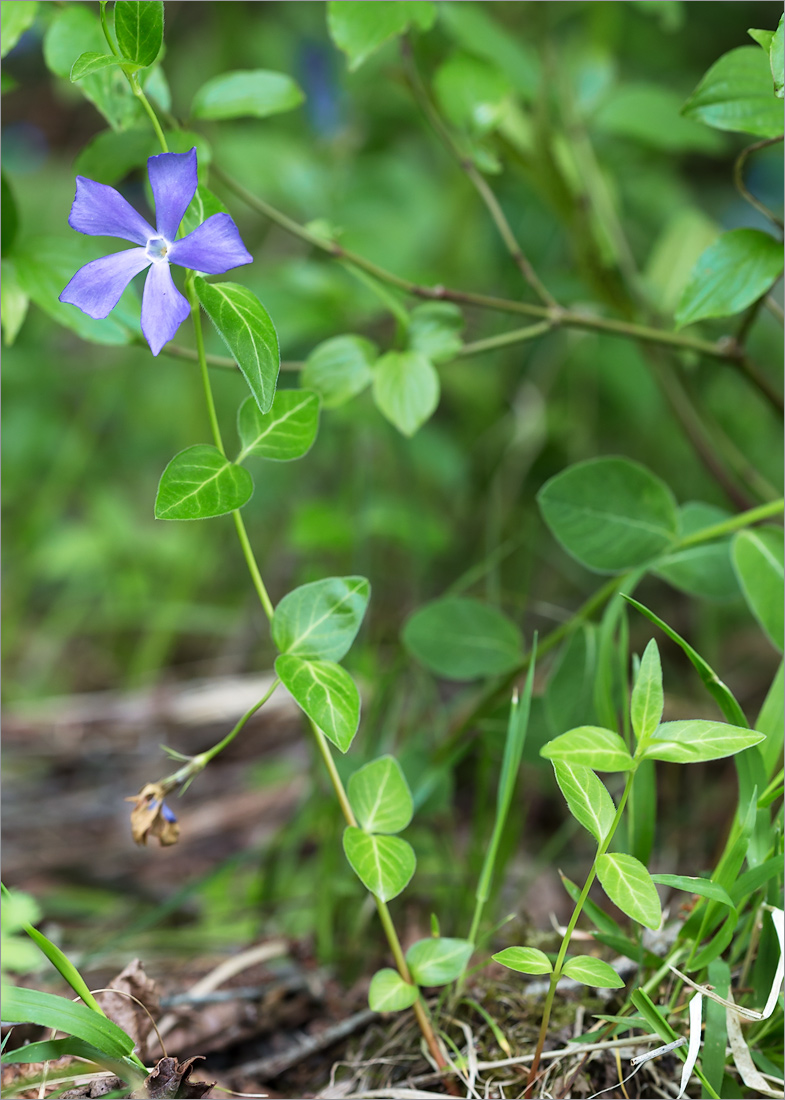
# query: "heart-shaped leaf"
{"type": "Point", "coordinates": [320, 620]}
{"type": "Point", "coordinates": [405, 389]}
{"type": "Point", "coordinates": [388, 992]}
{"type": "Point", "coordinates": [435, 330]}
{"type": "Point", "coordinates": [200, 483]}
{"type": "Point", "coordinates": [384, 864]}
{"type": "Point", "coordinates": [463, 639]}
{"type": "Point", "coordinates": [380, 796]}
{"type": "Point", "coordinates": [438, 960]}
{"type": "Point", "coordinates": [327, 694]}
{"type": "Point", "coordinates": [339, 369]}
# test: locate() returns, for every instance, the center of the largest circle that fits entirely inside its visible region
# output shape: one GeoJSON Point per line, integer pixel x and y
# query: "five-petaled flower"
{"type": "Point", "coordinates": [101, 211]}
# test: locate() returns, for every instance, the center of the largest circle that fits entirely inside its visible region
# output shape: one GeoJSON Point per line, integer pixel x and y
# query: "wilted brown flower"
{"type": "Point", "coordinates": [152, 817]}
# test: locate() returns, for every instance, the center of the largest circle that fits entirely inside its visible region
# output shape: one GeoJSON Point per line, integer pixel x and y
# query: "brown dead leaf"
{"type": "Point", "coordinates": [169, 1080]}
{"type": "Point", "coordinates": [126, 1013]}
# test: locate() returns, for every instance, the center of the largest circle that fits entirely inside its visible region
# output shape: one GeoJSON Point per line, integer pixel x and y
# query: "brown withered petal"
{"type": "Point", "coordinates": [147, 816]}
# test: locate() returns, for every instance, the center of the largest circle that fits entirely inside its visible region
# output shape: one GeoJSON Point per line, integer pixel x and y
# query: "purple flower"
{"type": "Point", "coordinates": [100, 211]}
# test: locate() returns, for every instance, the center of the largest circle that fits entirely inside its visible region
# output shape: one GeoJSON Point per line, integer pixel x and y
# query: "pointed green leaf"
{"type": "Point", "coordinates": [257, 93]}
{"type": "Point", "coordinates": [90, 62]}
{"type": "Point", "coordinates": [570, 688]}
{"type": "Point", "coordinates": [587, 798]}
{"type": "Point", "coordinates": [327, 694]}
{"type": "Point", "coordinates": [45, 1009]}
{"type": "Point", "coordinates": [405, 389]}
{"type": "Point", "coordinates": [321, 619]}
{"type": "Point", "coordinates": [286, 432]}
{"type": "Point", "coordinates": [590, 971]}
{"type": "Point", "coordinates": [731, 274]}
{"type": "Point", "coordinates": [435, 330]}
{"type": "Point", "coordinates": [13, 302]}
{"type": "Point", "coordinates": [359, 29]}
{"type": "Point", "coordinates": [736, 94]}
{"type": "Point", "coordinates": [51, 1049]}
{"type": "Point", "coordinates": [703, 887]}
{"type": "Point", "coordinates": [139, 27]}
{"type": "Point", "coordinates": [589, 746]}
{"type": "Point", "coordinates": [758, 557]}
{"type": "Point", "coordinates": [648, 699]}
{"type": "Point", "coordinates": [630, 887]}
{"type": "Point", "coordinates": [17, 16]}
{"type": "Point", "coordinates": [200, 483]}
{"type": "Point", "coordinates": [384, 864]}
{"type": "Point", "coordinates": [388, 992]}
{"type": "Point", "coordinates": [438, 960]}
{"type": "Point", "coordinates": [463, 639]}
{"type": "Point", "coordinates": [777, 59]}
{"type": "Point", "coordinates": [609, 513]}
{"type": "Point", "coordinates": [687, 742]}
{"type": "Point", "coordinates": [245, 327]}
{"type": "Point", "coordinates": [380, 796]}
{"type": "Point", "coordinates": [526, 960]}
{"type": "Point", "coordinates": [339, 369]}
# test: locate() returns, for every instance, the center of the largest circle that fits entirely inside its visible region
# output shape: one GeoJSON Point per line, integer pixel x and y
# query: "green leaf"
{"type": "Point", "coordinates": [587, 798]}
{"type": "Point", "coordinates": [383, 864]}
{"type": "Point", "coordinates": [589, 747]}
{"type": "Point", "coordinates": [256, 93]}
{"type": "Point", "coordinates": [463, 639]}
{"type": "Point", "coordinates": [604, 924]}
{"type": "Point", "coordinates": [438, 960]}
{"type": "Point", "coordinates": [359, 29]}
{"type": "Point", "coordinates": [473, 94]}
{"type": "Point", "coordinates": [701, 886]}
{"type": "Point", "coordinates": [51, 1049]}
{"type": "Point", "coordinates": [203, 205]}
{"type": "Point", "coordinates": [650, 114]}
{"type": "Point", "coordinates": [687, 742]}
{"type": "Point", "coordinates": [730, 275]}
{"type": "Point", "coordinates": [380, 796]}
{"type": "Point", "coordinates": [200, 483]}
{"type": "Point", "coordinates": [139, 27]}
{"type": "Point", "coordinates": [777, 58]}
{"type": "Point", "coordinates": [648, 700]}
{"type": "Point", "coordinates": [704, 570]}
{"type": "Point", "coordinates": [388, 992]}
{"type": "Point", "coordinates": [88, 63]}
{"type": "Point", "coordinates": [685, 235]}
{"type": "Point", "coordinates": [629, 886]}
{"type": "Point", "coordinates": [10, 215]}
{"type": "Point", "coordinates": [477, 32]}
{"type": "Point", "coordinates": [321, 619]}
{"type": "Point", "coordinates": [569, 692]}
{"type": "Point", "coordinates": [13, 302]}
{"type": "Point", "coordinates": [339, 369]}
{"type": "Point", "coordinates": [286, 432]}
{"type": "Point", "coordinates": [245, 327]}
{"type": "Point", "coordinates": [758, 560]}
{"type": "Point", "coordinates": [736, 94]}
{"type": "Point", "coordinates": [609, 513]}
{"type": "Point", "coordinates": [31, 1006]}
{"type": "Point", "coordinates": [435, 330]}
{"type": "Point", "coordinates": [405, 388]}
{"type": "Point", "coordinates": [526, 960]}
{"type": "Point", "coordinates": [590, 971]}
{"type": "Point", "coordinates": [15, 18]}
{"type": "Point", "coordinates": [763, 38]}
{"type": "Point", "coordinates": [327, 694]}
{"type": "Point", "coordinates": [109, 156]}
{"type": "Point", "coordinates": [45, 265]}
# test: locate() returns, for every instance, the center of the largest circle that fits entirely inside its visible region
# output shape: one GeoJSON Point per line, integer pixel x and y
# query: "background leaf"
{"type": "Point", "coordinates": [380, 796]}
{"type": "Point", "coordinates": [384, 864]}
{"type": "Point", "coordinates": [758, 560]}
{"type": "Point", "coordinates": [16, 16]}
{"type": "Point", "coordinates": [463, 639]}
{"type": "Point", "coordinates": [736, 94]}
{"type": "Point", "coordinates": [339, 369]}
{"type": "Point", "coordinates": [327, 694]}
{"type": "Point", "coordinates": [359, 29]}
{"type": "Point", "coordinates": [257, 93]}
{"type": "Point", "coordinates": [200, 483]}
{"type": "Point", "coordinates": [609, 513]}
{"type": "Point", "coordinates": [245, 327]}
{"type": "Point", "coordinates": [435, 330]}
{"type": "Point", "coordinates": [284, 433]}
{"type": "Point", "coordinates": [730, 275]}
{"type": "Point", "coordinates": [13, 302]}
{"type": "Point", "coordinates": [473, 93]}
{"type": "Point", "coordinates": [321, 619]}
{"type": "Point", "coordinates": [526, 960]}
{"type": "Point", "coordinates": [388, 992]}
{"type": "Point", "coordinates": [438, 960]}
{"type": "Point", "coordinates": [405, 389]}
{"type": "Point", "coordinates": [704, 570]}
{"type": "Point", "coordinates": [629, 886]}
{"type": "Point", "coordinates": [139, 28]}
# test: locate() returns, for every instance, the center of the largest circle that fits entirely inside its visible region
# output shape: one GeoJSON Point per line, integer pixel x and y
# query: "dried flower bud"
{"type": "Point", "coordinates": [152, 817]}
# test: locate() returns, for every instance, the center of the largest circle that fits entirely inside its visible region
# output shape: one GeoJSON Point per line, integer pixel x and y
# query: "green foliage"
{"type": "Point", "coordinates": [17, 16]}
{"type": "Point", "coordinates": [730, 275]}
{"type": "Point", "coordinates": [380, 796]}
{"type": "Point", "coordinates": [704, 570]}
{"type": "Point", "coordinates": [200, 483]}
{"type": "Point", "coordinates": [286, 432]}
{"type": "Point", "coordinates": [526, 960]}
{"type": "Point", "coordinates": [439, 960]}
{"type": "Point", "coordinates": [630, 887]}
{"type": "Point", "coordinates": [758, 560]}
{"type": "Point", "coordinates": [463, 639]}
{"type": "Point", "coordinates": [589, 747]}
{"type": "Point", "coordinates": [691, 741]}
{"type": "Point", "coordinates": [321, 620]}
{"type": "Point", "coordinates": [384, 864]}
{"type": "Point", "coordinates": [388, 992]}
{"type": "Point", "coordinates": [435, 330]}
{"type": "Point", "coordinates": [473, 93]}
{"type": "Point", "coordinates": [405, 389]}
{"type": "Point", "coordinates": [339, 369]}
{"type": "Point", "coordinates": [648, 700]}
{"type": "Point", "coordinates": [47, 1010]}
{"type": "Point", "coordinates": [359, 30]}
{"type": "Point", "coordinates": [736, 94]}
{"type": "Point", "coordinates": [590, 971]}
{"type": "Point", "coordinates": [587, 798]}
{"type": "Point", "coordinates": [20, 911]}
{"type": "Point", "coordinates": [245, 327]}
{"type": "Point", "coordinates": [255, 94]}
{"type": "Point", "coordinates": [327, 694]}
{"type": "Point", "coordinates": [609, 513]}
{"type": "Point", "coordinates": [139, 27]}
{"type": "Point", "coordinates": [88, 63]}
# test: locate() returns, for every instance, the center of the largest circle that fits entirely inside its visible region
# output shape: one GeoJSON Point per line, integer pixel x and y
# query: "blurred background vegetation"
{"type": "Point", "coordinates": [98, 595]}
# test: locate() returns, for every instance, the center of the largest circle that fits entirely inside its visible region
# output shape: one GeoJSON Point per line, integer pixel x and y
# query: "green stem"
{"type": "Point", "coordinates": [196, 316]}
{"type": "Point", "coordinates": [516, 336]}
{"type": "Point", "coordinates": [741, 187]}
{"type": "Point", "coordinates": [136, 88]}
{"type": "Point", "coordinates": [206, 757]}
{"type": "Point", "coordinates": [253, 568]}
{"type": "Point", "coordinates": [733, 523]}
{"type": "Point", "coordinates": [107, 32]}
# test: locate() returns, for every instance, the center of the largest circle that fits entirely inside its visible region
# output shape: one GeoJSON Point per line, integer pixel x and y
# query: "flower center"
{"type": "Point", "coordinates": [157, 247]}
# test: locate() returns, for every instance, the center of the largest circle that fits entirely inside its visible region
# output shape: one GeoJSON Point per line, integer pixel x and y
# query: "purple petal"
{"type": "Point", "coordinates": [173, 180]}
{"type": "Point", "coordinates": [213, 247]}
{"type": "Point", "coordinates": [163, 307]}
{"type": "Point", "coordinates": [96, 287]}
{"type": "Point", "coordinates": [100, 211]}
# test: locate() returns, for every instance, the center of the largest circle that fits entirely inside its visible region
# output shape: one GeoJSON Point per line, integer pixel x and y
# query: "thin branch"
{"type": "Point", "coordinates": [478, 181]}
{"type": "Point", "coordinates": [738, 179]}
{"type": "Point", "coordinates": [775, 309]}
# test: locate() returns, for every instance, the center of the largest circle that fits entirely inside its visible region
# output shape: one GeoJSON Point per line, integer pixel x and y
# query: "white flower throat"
{"type": "Point", "coordinates": [157, 248]}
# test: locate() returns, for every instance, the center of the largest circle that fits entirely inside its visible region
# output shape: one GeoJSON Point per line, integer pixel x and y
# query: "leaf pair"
{"type": "Point", "coordinates": [581, 968]}
{"type": "Point", "coordinates": [139, 30]}
{"type": "Point", "coordinates": [433, 962]}
{"type": "Point", "coordinates": [382, 803]}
